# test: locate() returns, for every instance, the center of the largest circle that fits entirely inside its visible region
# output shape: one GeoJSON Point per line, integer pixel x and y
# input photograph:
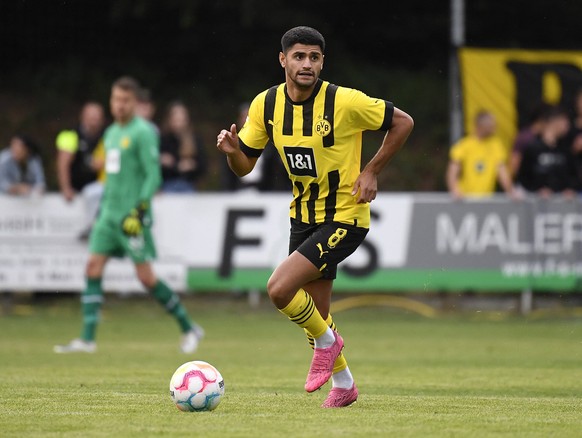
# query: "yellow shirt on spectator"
{"type": "Point", "coordinates": [479, 160]}
{"type": "Point", "coordinates": [69, 141]}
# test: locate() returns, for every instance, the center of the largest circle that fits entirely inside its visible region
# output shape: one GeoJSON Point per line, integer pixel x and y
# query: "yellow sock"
{"type": "Point", "coordinates": [302, 311]}
{"type": "Point", "coordinates": [340, 363]}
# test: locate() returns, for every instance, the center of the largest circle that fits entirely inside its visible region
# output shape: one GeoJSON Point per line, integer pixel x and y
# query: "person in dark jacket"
{"type": "Point", "coordinates": [547, 168]}
{"type": "Point", "coordinates": [182, 153]}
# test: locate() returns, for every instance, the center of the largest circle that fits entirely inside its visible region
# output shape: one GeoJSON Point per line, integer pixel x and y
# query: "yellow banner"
{"type": "Point", "coordinates": [511, 83]}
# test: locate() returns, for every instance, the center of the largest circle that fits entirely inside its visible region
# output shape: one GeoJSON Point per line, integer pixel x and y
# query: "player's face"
{"type": "Point", "coordinates": [123, 103]}
{"type": "Point", "coordinates": [302, 65]}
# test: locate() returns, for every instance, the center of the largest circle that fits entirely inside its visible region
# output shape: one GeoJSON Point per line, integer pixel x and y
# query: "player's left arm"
{"type": "Point", "coordinates": [149, 157]}
{"type": "Point", "coordinates": [148, 152]}
{"type": "Point", "coordinates": [366, 185]}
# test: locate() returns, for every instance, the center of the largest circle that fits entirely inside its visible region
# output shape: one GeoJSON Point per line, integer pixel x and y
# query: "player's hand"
{"type": "Point", "coordinates": [227, 141]}
{"type": "Point", "coordinates": [365, 187]}
{"type": "Point", "coordinates": [133, 223]}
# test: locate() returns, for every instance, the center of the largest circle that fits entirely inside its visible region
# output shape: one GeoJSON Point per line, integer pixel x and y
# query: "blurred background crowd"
{"type": "Point", "coordinates": [200, 62]}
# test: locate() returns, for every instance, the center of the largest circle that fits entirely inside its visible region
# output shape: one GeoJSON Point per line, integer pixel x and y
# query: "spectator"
{"type": "Point", "coordinates": [146, 108]}
{"type": "Point", "coordinates": [269, 173]}
{"type": "Point", "coordinates": [546, 167]}
{"type": "Point", "coordinates": [478, 160]}
{"type": "Point", "coordinates": [573, 140]}
{"type": "Point", "coordinates": [182, 152]}
{"type": "Point", "coordinates": [81, 159]}
{"type": "Point", "coordinates": [527, 135]}
{"type": "Point", "coordinates": [21, 171]}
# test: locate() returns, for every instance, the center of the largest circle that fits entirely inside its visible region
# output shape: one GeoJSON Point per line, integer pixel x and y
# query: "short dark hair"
{"type": "Point", "coordinates": [482, 114]}
{"type": "Point", "coordinates": [302, 35]}
{"type": "Point", "coordinates": [127, 83]}
{"type": "Point", "coordinates": [29, 143]}
{"type": "Point", "coordinates": [555, 112]}
{"type": "Point", "coordinates": [538, 112]}
{"type": "Point", "coordinates": [144, 95]}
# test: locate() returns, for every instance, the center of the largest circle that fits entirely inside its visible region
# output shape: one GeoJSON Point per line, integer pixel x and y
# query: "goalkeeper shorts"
{"type": "Point", "coordinates": [107, 238]}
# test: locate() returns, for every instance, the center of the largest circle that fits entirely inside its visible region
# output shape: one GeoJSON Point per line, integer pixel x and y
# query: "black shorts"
{"type": "Point", "coordinates": [325, 245]}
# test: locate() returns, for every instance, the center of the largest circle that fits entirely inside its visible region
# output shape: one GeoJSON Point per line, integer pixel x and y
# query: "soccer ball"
{"type": "Point", "coordinates": [196, 386]}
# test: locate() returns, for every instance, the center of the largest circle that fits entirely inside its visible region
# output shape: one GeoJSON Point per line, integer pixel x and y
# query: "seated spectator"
{"type": "Point", "coordinates": [81, 159]}
{"type": "Point", "coordinates": [478, 161]}
{"type": "Point", "coordinates": [547, 168]}
{"type": "Point", "coordinates": [182, 152]}
{"type": "Point", "coordinates": [527, 135]}
{"type": "Point", "coordinates": [21, 171]}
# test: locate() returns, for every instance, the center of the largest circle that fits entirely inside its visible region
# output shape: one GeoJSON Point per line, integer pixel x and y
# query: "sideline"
{"type": "Point", "coordinates": [383, 300]}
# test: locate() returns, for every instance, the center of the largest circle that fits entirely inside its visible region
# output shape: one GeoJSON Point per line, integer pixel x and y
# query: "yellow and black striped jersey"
{"type": "Point", "coordinates": [319, 141]}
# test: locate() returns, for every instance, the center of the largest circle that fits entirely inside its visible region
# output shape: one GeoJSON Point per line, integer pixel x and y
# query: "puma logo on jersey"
{"type": "Point", "coordinates": [321, 251]}
{"type": "Point", "coordinates": [270, 122]}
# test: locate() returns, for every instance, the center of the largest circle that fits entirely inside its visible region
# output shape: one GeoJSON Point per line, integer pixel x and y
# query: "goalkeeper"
{"type": "Point", "coordinates": [123, 227]}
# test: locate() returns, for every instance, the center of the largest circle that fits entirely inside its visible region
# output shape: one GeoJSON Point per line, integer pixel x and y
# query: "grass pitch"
{"type": "Point", "coordinates": [418, 377]}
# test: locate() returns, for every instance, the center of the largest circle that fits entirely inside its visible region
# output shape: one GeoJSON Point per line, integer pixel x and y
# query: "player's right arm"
{"type": "Point", "coordinates": [244, 149]}
{"type": "Point", "coordinates": [228, 143]}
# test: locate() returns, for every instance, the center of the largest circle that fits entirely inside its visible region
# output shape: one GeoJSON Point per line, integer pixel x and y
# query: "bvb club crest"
{"type": "Point", "coordinates": [323, 127]}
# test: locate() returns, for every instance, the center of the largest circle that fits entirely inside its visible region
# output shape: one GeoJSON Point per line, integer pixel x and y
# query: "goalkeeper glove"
{"type": "Point", "coordinates": [133, 223]}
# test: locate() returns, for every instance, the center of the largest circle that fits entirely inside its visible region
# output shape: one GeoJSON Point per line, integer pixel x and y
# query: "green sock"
{"type": "Point", "coordinates": [91, 300]}
{"type": "Point", "coordinates": [171, 301]}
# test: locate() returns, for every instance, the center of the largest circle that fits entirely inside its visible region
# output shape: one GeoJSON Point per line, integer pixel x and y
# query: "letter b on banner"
{"type": "Point", "coordinates": [532, 85]}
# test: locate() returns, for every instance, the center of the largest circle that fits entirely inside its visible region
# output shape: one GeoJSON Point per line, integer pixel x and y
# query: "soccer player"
{"type": "Point", "coordinates": [123, 227]}
{"type": "Point", "coordinates": [317, 129]}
